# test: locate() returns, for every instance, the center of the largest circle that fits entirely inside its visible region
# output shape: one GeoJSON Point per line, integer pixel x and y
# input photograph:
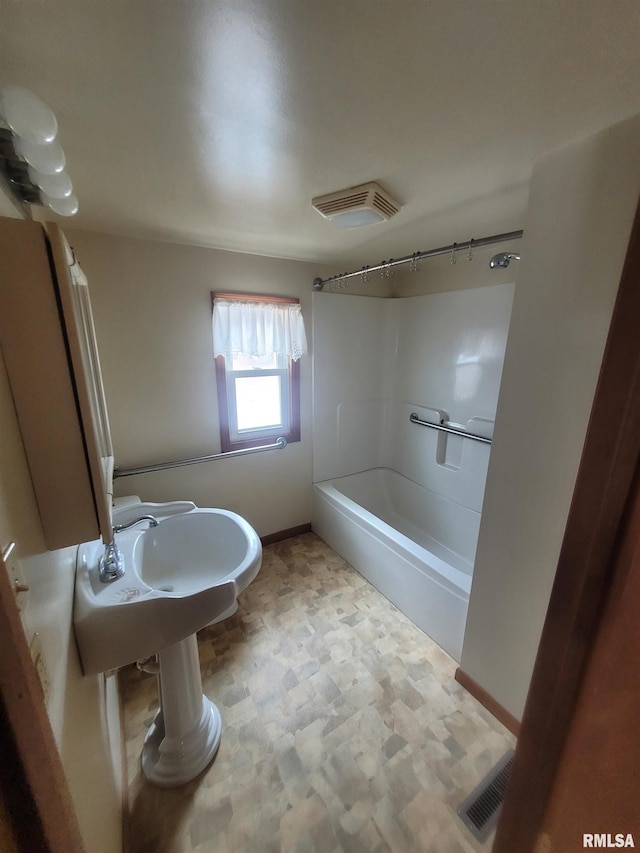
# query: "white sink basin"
{"type": "Point", "coordinates": [180, 576]}
{"type": "Point", "coordinates": [188, 553]}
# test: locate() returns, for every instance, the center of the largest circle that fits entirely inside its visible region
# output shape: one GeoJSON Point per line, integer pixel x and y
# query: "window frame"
{"type": "Point", "coordinates": [224, 379]}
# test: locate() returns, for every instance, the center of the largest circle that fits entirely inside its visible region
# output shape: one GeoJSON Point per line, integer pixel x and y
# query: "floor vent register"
{"type": "Point", "coordinates": [480, 811]}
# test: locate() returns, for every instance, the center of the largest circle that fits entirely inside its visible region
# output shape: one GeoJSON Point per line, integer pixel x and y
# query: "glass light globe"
{"type": "Point", "coordinates": [27, 116]}
{"type": "Point", "coordinates": [57, 185]}
{"type": "Point", "coordinates": [64, 206]}
{"type": "Point", "coordinates": [46, 157]}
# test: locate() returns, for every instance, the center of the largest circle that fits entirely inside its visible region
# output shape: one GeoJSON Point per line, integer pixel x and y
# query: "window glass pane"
{"type": "Point", "coordinates": [258, 402]}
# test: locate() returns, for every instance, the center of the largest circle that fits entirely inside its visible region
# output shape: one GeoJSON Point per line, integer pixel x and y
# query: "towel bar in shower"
{"type": "Point", "coordinates": [278, 444]}
{"type": "Point", "coordinates": [413, 417]}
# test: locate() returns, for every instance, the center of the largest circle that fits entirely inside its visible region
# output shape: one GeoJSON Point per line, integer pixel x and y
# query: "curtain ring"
{"type": "Point", "coordinates": [454, 249]}
{"type": "Point", "coordinates": [470, 252]}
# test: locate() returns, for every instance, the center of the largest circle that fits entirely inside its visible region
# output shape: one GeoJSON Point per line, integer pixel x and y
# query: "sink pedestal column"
{"type": "Point", "coordinates": [185, 734]}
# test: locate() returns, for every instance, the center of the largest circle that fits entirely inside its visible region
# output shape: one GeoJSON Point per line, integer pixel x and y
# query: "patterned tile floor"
{"type": "Point", "coordinates": [344, 729]}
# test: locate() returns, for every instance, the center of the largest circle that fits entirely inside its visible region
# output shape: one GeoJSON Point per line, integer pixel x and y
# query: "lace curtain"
{"type": "Point", "coordinates": [258, 328]}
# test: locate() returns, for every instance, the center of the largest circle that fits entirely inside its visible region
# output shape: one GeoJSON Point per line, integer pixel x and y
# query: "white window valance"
{"type": "Point", "coordinates": [258, 328]}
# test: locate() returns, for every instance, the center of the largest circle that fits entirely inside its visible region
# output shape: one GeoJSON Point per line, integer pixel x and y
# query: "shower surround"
{"type": "Point", "coordinates": [402, 502]}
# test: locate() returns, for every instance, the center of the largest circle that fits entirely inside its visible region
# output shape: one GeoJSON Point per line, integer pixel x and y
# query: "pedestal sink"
{"type": "Point", "coordinates": [180, 575]}
{"type": "Point", "coordinates": [186, 731]}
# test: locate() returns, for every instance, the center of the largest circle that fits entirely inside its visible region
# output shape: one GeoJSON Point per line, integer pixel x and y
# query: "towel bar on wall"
{"type": "Point", "coordinates": [279, 444]}
{"type": "Point", "coordinates": [413, 417]}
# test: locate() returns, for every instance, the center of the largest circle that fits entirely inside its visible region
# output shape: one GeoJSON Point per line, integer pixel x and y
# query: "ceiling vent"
{"type": "Point", "coordinates": [365, 204]}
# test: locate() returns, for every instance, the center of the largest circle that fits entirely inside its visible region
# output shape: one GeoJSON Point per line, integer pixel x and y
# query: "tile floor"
{"type": "Point", "coordinates": [344, 729]}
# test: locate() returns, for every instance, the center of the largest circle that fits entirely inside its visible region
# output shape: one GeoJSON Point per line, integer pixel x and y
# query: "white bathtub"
{"type": "Point", "coordinates": [415, 546]}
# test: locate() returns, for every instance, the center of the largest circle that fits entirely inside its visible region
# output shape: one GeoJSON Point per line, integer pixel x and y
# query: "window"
{"type": "Point", "coordinates": [258, 341]}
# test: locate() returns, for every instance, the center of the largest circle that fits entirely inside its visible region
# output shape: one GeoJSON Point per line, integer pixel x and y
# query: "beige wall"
{"type": "Point", "coordinates": [82, 710]}
{"type": "Point", "coordinates": [152, 310]}
{"type": "Point", "coordinates": [582, 202]}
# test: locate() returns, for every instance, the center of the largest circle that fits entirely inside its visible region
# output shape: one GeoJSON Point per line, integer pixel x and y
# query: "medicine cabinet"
{"type": "Point", "coordinates": [49, 348]}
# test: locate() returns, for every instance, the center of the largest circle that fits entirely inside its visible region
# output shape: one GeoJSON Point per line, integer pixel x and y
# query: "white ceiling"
{"type": "Point", "coordinates": [216, 122]}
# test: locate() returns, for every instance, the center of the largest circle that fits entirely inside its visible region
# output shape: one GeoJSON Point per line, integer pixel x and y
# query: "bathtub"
{"type": "Point", "coordinates": [414, 545]}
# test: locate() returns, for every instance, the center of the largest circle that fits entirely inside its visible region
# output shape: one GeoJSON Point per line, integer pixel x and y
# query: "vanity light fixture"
{"type": "Point", "coordinates": [31, 161]}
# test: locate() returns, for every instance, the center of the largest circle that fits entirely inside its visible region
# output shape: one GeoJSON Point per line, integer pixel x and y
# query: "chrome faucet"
{"type": "Point", "coordinates": [112, 562]}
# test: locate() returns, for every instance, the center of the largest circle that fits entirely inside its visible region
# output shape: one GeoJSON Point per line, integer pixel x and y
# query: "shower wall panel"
{"type": "Point", "coordinates": [447, 364]}
{"type": "Point", "coordinates": [350, 354]}
{"type": "Point", "coordinates": [377, 360]}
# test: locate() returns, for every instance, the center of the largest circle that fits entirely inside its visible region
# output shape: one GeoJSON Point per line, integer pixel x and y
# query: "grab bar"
{"type": "Point", "coordinates": [413, 417]}
{"type": "Point", "coordinates": [279, 444]}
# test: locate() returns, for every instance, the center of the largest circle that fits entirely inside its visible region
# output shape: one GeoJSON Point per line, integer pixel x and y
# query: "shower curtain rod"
{"type": "Point", "coordinates": [319, 283]}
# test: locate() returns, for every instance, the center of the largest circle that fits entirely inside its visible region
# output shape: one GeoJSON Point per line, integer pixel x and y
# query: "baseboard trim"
{"type": "Point", "coordinates": [285, 534]}
{"type": "Point", "coordinates": [494, 707]}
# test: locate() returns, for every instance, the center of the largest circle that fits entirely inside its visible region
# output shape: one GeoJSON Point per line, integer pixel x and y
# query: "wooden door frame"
{"type": "Point", "coordinates": [586, 571]}
{"type": "Point", "coordinates": [33, 784]}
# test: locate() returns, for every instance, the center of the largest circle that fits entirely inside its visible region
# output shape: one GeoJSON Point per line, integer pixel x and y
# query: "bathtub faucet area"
{"type": "Point", "coordinates": [112, 562]}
